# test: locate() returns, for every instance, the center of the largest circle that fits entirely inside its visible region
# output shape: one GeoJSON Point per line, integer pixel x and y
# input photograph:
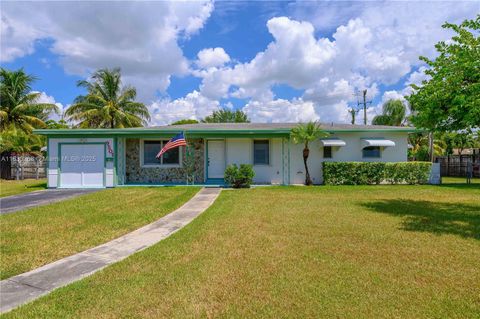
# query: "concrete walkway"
{"type": "Point", "coordinates": [15, 203]}
{"type": "Point", "coordinates": [26, 287]}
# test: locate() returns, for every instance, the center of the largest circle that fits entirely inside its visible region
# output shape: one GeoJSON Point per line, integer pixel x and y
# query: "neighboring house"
{"type": "Point", "coordinates": [112, 157]}
{"type": "Point", "coordinates": [466, 151]}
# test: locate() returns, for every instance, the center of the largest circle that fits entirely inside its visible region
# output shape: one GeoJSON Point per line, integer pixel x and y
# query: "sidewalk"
{"type": "Point", "coordinates": [26, 287]}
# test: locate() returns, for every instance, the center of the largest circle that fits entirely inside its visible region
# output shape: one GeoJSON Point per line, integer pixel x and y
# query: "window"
{"type": "Point", "coordinates": [261, 152]}
{"type": "Point", "coordinates": [327, 152]}
{"type": "Point", "coordinates": [151, 149]}
{"type": "Point", "coordinates": [371, 151]}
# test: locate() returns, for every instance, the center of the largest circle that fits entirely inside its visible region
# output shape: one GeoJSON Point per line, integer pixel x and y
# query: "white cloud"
{"type": "Point", "coordinates": [415, 78]}
{"type": "Point", "coordinates": [48, 99]}
{"type": "Point", "coordinates": [139, 37]}
{"type": "Point", "coordinates": [280, 111]}
{"type": "Point", "coordinates": [368, 45]}
{"type": "Point", "coordinates": [212, 57]}
{"type": "Point", "coordinates": [192, 106]}
{"type": "Point", "coordinates": [378, 45]}
{"type": "Point", "coordinates": [17, 38]}
{"type": "Point", "coordinates": [392, 95]}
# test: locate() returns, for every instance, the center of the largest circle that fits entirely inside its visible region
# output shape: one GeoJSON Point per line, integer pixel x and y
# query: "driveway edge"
{"type": "Point", "coordinates": [26, 287]}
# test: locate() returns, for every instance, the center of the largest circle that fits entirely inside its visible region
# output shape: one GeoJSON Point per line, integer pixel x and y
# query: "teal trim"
{"type": "Point", "coordinates": [283, 161]}
{"type": "Point", "coordinates": [206, 161]}
{"type": "Point", "coordinates": [59, 165]}
{"type": "Point", "coordinates": [215, 182]}
{"type": "Point", "coordinates": [289, 163]}
{"type": "Point", "coordinates": [206, 152]}
{"type": "Point", "coordinates": [48, 162]}
{"type": "Point", "coordinates": [173, 185]}
{"type": "Point", "coordinates": [104, 164]}
{"type": "Point", "coordinates": [169, 132]}
{"type": "Point", "coordinates": [115, 165]}
{"type": "Point", "coordinates": [86, 143]}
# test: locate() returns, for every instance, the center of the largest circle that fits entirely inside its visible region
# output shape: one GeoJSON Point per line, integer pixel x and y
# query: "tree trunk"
{"type": "Point", "coordinates": [306, 152]}
{"type": "Point", "coordinates": [430, 146]}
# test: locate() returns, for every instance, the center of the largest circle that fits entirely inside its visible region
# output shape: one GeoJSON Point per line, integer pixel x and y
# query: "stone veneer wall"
{"type": "Point", "coordinates": [158, 175]}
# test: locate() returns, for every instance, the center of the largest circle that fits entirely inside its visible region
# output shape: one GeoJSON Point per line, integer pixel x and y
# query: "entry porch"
{"type": "Point", "coordinates": [201, 162]}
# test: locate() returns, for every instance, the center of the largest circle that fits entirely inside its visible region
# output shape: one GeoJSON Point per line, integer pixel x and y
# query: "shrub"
{"type": "Point", "coordinates": [239, 177]}
{"type": "Point", "coordinates": [366, 173]}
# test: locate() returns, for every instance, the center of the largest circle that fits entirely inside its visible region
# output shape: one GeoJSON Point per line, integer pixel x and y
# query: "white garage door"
{"type": "Point", "coordinates": [82, 165]}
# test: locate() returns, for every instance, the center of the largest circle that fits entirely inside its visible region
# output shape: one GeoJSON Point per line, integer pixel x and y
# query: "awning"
{"type": "Point", "coordinates": [333, 142]}
{"type": "Point", "coordinates": [377, 142]}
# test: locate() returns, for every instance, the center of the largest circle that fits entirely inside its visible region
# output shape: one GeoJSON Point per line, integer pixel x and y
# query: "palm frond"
{"type": "Point", "coordinates": [307, 132]}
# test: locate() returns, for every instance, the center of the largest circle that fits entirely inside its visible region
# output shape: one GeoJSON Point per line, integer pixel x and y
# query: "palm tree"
{"type": "Point", "coordinates": [393, 114]}
{"type": "Point", "coordinates": [419, 147]}
{"type": "Point", "coordinates": [227, 116]}
{"type": "Point", "coordinates": [19, 109]}
{"type": "Point", "coordinates": [107, 104]}
{"type": "Point", "coordinates": [20, 113]}
{"type": "Point", "coordinates": [303, 134]}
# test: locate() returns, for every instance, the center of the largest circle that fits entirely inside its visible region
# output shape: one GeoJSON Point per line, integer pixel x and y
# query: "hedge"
{"type": "Point", "coordinates": [367, 173]}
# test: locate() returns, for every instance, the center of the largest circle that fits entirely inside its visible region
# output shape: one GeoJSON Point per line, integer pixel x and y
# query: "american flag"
{"type": "Point", "coordinates": [176, 141]}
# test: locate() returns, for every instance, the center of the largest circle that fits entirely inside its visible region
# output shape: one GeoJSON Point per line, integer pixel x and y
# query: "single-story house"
{"type": "Point", "coordinates": [81, 158]}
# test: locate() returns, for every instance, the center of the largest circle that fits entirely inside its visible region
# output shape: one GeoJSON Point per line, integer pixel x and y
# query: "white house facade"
{"type": "Point", "coordinates": [99, 158]}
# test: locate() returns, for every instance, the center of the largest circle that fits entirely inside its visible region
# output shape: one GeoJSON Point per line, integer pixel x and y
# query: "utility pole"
{"type": "Point", "coordinates": [353, 113]}
{"type": "Point", "coordinates": [365, 102]}
{"type": "Point", "coordinates": [365, 107]}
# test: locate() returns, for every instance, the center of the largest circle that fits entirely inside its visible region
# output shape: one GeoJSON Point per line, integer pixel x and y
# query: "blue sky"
{"type": "Point", "coordinates": [281, 61]}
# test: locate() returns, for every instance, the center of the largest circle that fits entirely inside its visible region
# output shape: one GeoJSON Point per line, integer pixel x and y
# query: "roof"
{"type": "Point", "coordinates": [220, 129]}
{"type": "Point", "coordinates": [269, 126]}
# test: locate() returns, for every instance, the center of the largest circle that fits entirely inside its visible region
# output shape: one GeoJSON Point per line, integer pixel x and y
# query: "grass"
{"type": "Point", "coordinates": [341, 252]}
{"type": "Point", "coordinates": [37, 236]}
{"type": "Point", "coordinates": [8, 188]}
{"type": "Point", "coordinates": [459, 180]}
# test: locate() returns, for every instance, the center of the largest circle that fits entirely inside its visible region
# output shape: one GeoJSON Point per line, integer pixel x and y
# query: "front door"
{"type": "Point", "coordinates": [216, 159]}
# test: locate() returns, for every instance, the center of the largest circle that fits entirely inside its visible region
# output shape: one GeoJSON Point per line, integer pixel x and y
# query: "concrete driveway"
{"type": "Point", "coordinates": [15, 203]}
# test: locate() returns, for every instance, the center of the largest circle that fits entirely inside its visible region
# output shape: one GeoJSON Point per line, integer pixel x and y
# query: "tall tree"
{"type": "Point", "coordinates": [303, 134]}
{"type": "Point", "coordinates": [450, 99]}
{"type": "Point", "coordinates": [420, 146]}
{"type": "Point", "coordinates": [107, 104]}
{"type": "Point", "coordinates": [393, 114]}
{"type": "Point", "coordinates": [460, 141]}
{"type": "Point", "coordinates": [19, 107]}
{"type": "Point", "coordinates": [227, 116]}
{"type": "Point", "coordinates": [20, 113]}
{"type": "Point", "coordinates": [185, 121]}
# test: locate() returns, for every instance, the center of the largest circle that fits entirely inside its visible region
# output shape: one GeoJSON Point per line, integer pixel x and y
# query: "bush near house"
{"type": "Point", "coordinates": [239, 177]}
{"type": "Point", "coordinates": [366, 173]}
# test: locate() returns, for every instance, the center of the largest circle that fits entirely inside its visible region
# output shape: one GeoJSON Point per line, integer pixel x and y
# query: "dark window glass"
{"type": "Point", "coordinates": [327, 152]}
{"type": "Point", "coordinates": [371, 151]}
{"type": "Point", "coordinates": [172, 156]}
{"type": "Point", "coordinates": [261, 152]}
{"type": "Point", "coordinates": [151, 149]}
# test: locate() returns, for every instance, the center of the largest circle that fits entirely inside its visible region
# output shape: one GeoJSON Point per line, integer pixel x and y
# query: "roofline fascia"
{"type": "Point", "coordinates": [211, 132]}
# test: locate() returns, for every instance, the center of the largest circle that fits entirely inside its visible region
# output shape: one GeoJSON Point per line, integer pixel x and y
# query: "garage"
{"type": "Point", "coordinates": [82, 165]}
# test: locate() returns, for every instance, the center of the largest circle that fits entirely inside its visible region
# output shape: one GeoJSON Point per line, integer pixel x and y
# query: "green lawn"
{"type": "Point", "coordinates": [40, 235]}
{"type": "Point", "coordinates": [331, 252]}
{"type": "Point", "coordinates": [459, 180]}
{"type": "Point", "coordinates": [8, 188]}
